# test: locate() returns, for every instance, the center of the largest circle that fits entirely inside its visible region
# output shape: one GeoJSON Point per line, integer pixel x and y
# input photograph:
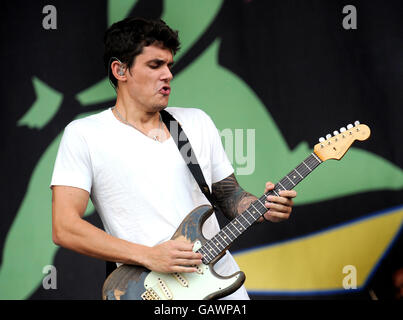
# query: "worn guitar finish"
{"type": "Point", "coordinates": [138, 283]}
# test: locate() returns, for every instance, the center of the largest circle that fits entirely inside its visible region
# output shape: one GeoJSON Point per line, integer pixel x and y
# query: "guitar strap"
{"type": "Point", "coordinates": [185, 149]}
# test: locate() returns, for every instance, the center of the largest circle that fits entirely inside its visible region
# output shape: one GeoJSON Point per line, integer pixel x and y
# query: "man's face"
{"type": "Point", "coordinates": [148, 81]}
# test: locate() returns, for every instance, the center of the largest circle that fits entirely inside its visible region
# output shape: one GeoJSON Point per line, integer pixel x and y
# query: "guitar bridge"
{"type": "Point", "coordinates": [150, 294]}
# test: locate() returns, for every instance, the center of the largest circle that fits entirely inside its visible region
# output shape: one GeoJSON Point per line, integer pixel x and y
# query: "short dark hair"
{"type": "Point", "coordinates": [127, 38]}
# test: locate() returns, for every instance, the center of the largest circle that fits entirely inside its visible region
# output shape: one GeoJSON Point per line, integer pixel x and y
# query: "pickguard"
{"type": "Point", "coordinates": [189, 286]}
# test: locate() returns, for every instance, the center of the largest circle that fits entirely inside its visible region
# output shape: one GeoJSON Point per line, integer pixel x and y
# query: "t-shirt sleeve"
{"type": "Point", "coordinates": [220, 164]}
{"type": "Point", "coordinates": [73, 163]}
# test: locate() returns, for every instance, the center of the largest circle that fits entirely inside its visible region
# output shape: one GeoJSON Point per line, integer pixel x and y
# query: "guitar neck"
{"type": "Point", "coordinates": [223, 239]}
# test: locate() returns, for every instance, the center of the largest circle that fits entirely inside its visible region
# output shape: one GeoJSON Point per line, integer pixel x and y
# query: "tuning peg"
{"type": "Point", "coordinates": [342, 129]}
{"type": "Point", "coordinates": [349, 126]}
{"type": "Point", "coordinates": [356, 123]}
{"type": "Point", "coordinates": [328, 136]}
{"type": "Point", "coordinates": [321, 139]}
{"type": "Point", "coordinates": [335, 133]}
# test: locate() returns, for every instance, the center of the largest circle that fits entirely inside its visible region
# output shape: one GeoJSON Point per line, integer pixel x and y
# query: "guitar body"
{"type": "Point", "coordinates": [130, 282]}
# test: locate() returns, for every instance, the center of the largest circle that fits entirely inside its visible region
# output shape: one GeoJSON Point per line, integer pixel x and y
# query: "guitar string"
{"type": "Point", "coordinates": [312, 162]}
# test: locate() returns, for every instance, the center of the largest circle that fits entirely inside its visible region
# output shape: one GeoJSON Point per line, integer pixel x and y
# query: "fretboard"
{"type": "Point", "coordinates": [223, 239]}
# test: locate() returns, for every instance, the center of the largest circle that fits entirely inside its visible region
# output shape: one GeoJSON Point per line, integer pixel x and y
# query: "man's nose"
{"type": "Point", "coordinates": [167, 75]}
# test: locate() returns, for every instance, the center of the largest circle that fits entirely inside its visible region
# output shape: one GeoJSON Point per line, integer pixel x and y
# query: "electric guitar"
{"type": "Point", "coordinates": [130, 282]}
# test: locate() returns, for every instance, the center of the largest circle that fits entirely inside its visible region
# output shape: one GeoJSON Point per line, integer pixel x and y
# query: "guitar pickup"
{"type": "Point", "coordinates": [181, 279]}
{"type": "Point", "coordinates": [164, 288]}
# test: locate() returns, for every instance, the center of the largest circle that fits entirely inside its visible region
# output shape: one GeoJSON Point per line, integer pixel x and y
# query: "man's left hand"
{"type": "Point", "coordinates": [279, 207]}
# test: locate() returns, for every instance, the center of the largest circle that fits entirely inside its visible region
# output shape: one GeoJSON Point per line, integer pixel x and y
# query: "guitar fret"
{"type": "Point", "coordinates": [282, 186]}
{"type": "Point", "coordinates": [207, 259]}
{"type": "Point", "coordinates": [306, 166]}
{"type": "Point", "coordinates": [298, 173]}
{"type": "Point", "coordinates": [217, 242]}
{"type": "Point", "coordinates": [302, 169]}
{"type": "Point", "coordinates": [239, 222]}
{"type": "Point", "coordinates": [226, 235]}
{"type": "Point", "coordinates": [254, 208]}
{"type": "Point", "coordinates": [245, 219]}
{"type": "Point", "coordinates": [264, 209]}
{"type": "Point", "coordinates": [215, 253]}
{"type": "Point", "coordinates": [235, 228]}
{"type": "Point", "coordinates": [290, 180]}
{"type": "Point", "coordinates": [294, 178]}
{"type": "Point", "coordinates": [241, 228]}
{"type": "Point", "coordinates": [211, 248]}
{"type": "Point", "coordinates": [284, 183]}
{"type": "Point", "coordinates": [232, 233]}
{"type": "Point", "coordinates": [205, 254]}
{"type": "Point", "coordinates": [249, 213]}
{"type": "Point", "coordinates": [223, 239]}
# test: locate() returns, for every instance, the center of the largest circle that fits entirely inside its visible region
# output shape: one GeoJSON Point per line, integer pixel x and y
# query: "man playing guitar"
{"type": "Point", "coordinates": [125, 159]}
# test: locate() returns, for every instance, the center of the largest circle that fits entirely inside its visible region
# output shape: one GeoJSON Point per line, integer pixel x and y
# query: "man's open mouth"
{"type": "Point", "coordinates": [165, 90]}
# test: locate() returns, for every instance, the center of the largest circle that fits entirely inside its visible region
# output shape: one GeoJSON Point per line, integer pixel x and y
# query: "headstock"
{"type": "Point", "coordinates": [334, 147]}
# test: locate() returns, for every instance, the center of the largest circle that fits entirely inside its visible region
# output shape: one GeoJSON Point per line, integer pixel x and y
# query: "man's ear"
{"type": "Point", "coordinates": [119, 70]}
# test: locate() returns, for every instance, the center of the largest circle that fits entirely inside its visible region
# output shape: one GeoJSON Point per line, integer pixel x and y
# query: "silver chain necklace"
{"type": "Point", "coordinates": [129, 124]}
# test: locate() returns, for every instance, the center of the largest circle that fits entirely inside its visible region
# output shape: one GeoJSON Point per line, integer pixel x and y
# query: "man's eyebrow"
{"type": "Point", "coordinates": [160, 61]}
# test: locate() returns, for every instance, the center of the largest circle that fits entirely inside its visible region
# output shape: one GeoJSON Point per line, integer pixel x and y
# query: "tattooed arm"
{"type": "Point", "coordinates": [233, 200]}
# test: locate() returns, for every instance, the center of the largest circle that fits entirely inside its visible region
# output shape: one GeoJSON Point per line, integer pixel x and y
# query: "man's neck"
{"type": "Point", "coordinates": [136, 114]}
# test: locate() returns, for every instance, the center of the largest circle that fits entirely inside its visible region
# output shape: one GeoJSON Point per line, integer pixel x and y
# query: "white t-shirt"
{"type": "Point", "coordinates": [141, 188]}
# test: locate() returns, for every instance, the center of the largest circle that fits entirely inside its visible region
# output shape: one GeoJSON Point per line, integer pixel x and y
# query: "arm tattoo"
{"type": "Point", "coordinates": [231, 198]}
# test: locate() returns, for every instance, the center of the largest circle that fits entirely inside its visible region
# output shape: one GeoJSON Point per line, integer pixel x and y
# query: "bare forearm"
{"type": "Point", "coordinates": [81, 236]}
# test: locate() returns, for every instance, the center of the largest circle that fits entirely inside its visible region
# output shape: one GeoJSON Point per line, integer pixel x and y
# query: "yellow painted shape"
{"type": "Point", "coordinates": [316, 262]}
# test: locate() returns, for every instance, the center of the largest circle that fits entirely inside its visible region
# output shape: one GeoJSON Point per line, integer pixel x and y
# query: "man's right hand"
{"type": "Point", "coordinates": [173, 256]}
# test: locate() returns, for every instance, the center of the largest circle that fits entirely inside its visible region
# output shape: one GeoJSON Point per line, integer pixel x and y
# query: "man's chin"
{"type": "Point", "coordinates": [159, 107]}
